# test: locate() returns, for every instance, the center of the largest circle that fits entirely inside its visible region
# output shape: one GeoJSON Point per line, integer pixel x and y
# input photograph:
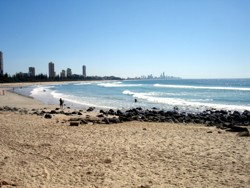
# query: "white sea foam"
{"type": "Point", "coordinates": [183, 102]}
{"type": "Point", "coordinates": [39, 90]}
{"type": "Point", "coordinates": [118, 84]}
{"type": "Point", "coordinates": [83, 83]}
{"type": "Point", "coordinates": [78, 100]}
{"type": "Point", "coordinates": [201, 87]}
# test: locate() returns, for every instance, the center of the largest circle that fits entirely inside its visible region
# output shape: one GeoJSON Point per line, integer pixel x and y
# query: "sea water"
{"type": "Point", "coordinates": [185, 94]}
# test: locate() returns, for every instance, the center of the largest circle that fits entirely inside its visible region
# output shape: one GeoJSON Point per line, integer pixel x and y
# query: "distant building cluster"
{"type": "Point", "coordinates": [162, 76]}
{"type": "Point", "coordinates": [63, 74]}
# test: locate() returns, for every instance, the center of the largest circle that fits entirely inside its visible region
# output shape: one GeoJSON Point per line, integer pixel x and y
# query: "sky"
{"type": "Point", "coordinates": [128, 38]}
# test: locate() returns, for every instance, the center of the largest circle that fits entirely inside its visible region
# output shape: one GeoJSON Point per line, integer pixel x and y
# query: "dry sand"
{"type": "Point", "coordinates": [39, 152]}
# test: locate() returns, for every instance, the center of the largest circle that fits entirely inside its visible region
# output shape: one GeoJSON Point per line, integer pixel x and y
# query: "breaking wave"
{"type": "Point", "coordinates": [201, 87]}
{"type": "Point", "coordinates": [197, 103]}
{"type": "Point", "coordinates": [118, 84]}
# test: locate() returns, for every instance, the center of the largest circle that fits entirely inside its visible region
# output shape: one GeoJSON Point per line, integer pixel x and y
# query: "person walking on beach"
{"type": "Point", "coordinates": [61, 103]}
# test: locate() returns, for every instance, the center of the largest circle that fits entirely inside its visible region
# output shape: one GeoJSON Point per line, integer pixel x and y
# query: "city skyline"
{"type": "Point", "coordinates": [188, 39]}
{"type": "Point", "coordinates": [68, 73]}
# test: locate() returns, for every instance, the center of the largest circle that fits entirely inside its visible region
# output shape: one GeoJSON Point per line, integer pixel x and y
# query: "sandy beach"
{"type": "Point", "coordinates": [39, 152]}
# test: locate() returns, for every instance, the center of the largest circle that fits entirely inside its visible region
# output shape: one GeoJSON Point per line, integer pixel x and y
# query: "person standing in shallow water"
{"type": "Point", "coordinates": [61, 103]}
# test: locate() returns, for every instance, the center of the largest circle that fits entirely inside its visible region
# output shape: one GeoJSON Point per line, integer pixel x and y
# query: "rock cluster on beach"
{"type": "Point", "coordinates": [233, 121]}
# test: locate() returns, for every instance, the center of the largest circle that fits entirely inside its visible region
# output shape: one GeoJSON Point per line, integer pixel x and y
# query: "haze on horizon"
{"type": "Point", "coordinates": [188, 39]}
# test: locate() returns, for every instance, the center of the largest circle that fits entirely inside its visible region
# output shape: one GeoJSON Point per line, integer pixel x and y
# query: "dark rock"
{"type": "Point", "coordinates": [198, 121]}
{"type": "Point", "coordinates": [119, 112]}
{"type": "Point", "coordinates": [139, 108]}
{"type": "Point", "coordinates": [79, 113]}
{"type": "Point", "coordinates": [48, 116]}
{"type": "Point", "coordinates": [100, 115]}
{"type": "Point", "coordinates": [90, 109]}
{"type": "Point", "coordinates": [223, 112]}
{"type": "Point", "coordinates": [111, 112]}
{"type": "Point", "coordinates": [74, 123]}
{"type": "Point", "coordinates": [236, 113]}
{"type": "Point", "coordinates": [15, 109]}
{"type": "Point", "coordinates": [53, 112]}
{"type": "Point", "coordinates": [6, 108]}
{"type": "Point", "coordinates": [247, 123]}
{"type": "Point", "coordinates": [102, 111]}
{"type": "Point", "coordinates": [246, 113]}
{"type": "Point", "coordinates": [237, 129]}
{"type": "Point", "coordinates": [125, 118]}
{"type": "Point", "coordinates": [114, 120]}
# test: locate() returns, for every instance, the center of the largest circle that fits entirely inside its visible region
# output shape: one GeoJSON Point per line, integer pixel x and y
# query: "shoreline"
{"type": "Point", "coordinates": [23, 84]}
{"type": "Point", "coordinates": [191, 108]}
{"type": "Point", "coordinates": [223, 119]}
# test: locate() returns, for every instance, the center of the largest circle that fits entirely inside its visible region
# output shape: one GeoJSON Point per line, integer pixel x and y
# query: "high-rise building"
{"type": "Point", "coordinates": [1, 63]}
{"type": "Point", "coordinates": [84, 71]}
{"type": "Point", "coordinates": [63, 74]}
{"type": "Point", "coordinates": [52, 73]}
{"type": "Point", "coordinates": [69, 72]}
{"type": "Point", "coordinates": [32, 71]}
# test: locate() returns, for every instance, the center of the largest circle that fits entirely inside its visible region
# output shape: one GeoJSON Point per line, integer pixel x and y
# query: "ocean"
{"type": "Point", "coordinates": [193, 95]}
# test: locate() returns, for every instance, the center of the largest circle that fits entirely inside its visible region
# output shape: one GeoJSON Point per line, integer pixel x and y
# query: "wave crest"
{"type": "Point", "coordinates": [201, 87]}
{"type": "Point", "coordinates": [118, 84]}
{"type": "Point", "coordinates": [197, 103]}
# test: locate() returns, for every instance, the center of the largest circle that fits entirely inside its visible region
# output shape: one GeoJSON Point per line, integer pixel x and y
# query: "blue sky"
{"type": "Point", "coordinates": [128, 38]}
